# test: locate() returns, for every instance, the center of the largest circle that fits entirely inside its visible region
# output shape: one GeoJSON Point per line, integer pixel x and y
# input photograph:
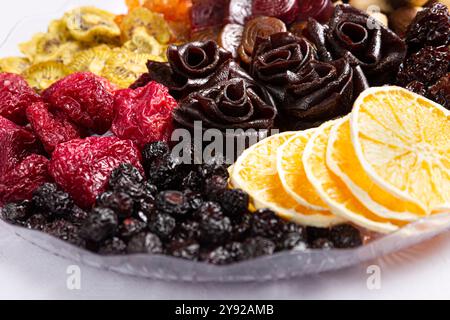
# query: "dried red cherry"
{"type": "Point", "coordinates": [82, 166]}
{"type": "Point", "coordinates": [15, 96]}
{"type": "Point", "coordinates": [20, 182]}
{"type": "Point", "coordinates": [16, 143]}
{"type": "Point", "coordinates": [51, 129]}
{"type": "Point", "coordinates": [85, 98]}
{"type": "Point", "coordinates": [144, 115]}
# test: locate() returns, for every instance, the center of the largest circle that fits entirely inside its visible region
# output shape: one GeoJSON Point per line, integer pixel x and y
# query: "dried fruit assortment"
{"type": "Point", "coordinates": [87, 116]}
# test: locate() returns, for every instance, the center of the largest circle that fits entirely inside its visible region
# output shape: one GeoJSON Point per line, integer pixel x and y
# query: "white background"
{"type": "Point", "coordinates": [422, 272]}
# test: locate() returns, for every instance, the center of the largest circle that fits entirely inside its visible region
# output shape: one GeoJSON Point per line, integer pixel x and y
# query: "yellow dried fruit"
{"type": "Point", "coordinates": [42, 75]}
{"type": "Point", "coordinates": [124, 67]}
{"type": "Point", "coordinates": [14, 64]}
{"type": "Point", "coordinates": [92, 60]}
{"type": "Point", "coordinates": [154, 23]}
{"type": "Point", "coordinates": [90, 24]}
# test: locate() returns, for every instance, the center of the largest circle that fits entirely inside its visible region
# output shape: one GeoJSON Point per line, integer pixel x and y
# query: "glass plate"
{"type": "Point", "coordinates": [279, 266]}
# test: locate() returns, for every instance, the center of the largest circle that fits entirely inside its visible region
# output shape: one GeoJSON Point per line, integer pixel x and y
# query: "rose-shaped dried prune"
{"type": "Point", "coordinates": [190, 66]}
{"type": "Point", "coordinates": [355, 35]}
{"type": "Point", "coordinates": [322, 91]}
{"type": "Point", "coordinates": [232, 100]}
{"type": "Point", "coordinates": [278, 58]}
{"type": "Point", "coordinates": [261, 27]}
{"type": "Point", "coordinates": [430, 27]}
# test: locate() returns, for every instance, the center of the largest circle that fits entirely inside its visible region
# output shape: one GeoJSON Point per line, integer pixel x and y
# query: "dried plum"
{"type": "Point", "coordinates": [145, 242]}
{"type": "Point", "coordinates": [430, 27]}
{"type": "Point", "coordinates": [232, 252]}
{"type": "Point", "coordinates": [113, 246]}
{"type": "Point", "coordinates": [101, 224]}
{"type": "Point", "coordinates": [185, 249]}
{"type": "Point", "coordinates": [234, 202]}
{"type": "Point", "coordinates": [427, 66]}
{"type": "Point", "coordinates": [440, 91]}
{"type": "Point", "coordinates": [49, 200]}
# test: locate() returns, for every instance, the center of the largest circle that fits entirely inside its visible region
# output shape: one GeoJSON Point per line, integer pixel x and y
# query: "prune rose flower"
{"type": "Point", "coordinates": [355, 35]}
{"type": "Point", "coordinates": [278, 58]}
{"type": "Point", "coordinates": [231, 100]}
{"type": "Point", "coordinates": [190, 67]}
{"type": "Point", "coordinates": [322, 91]}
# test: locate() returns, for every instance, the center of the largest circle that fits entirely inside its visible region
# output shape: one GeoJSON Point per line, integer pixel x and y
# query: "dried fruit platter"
{"type": "Point", "coordinates": [229, 140]}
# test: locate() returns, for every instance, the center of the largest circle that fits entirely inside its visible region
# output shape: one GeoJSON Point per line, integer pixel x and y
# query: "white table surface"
{"type": "Point", "coordinates": [422, 272]}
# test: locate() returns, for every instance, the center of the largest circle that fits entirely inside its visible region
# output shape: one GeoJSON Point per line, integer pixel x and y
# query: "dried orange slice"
{"type": "Point", "coordinates": [255, 172]}
{"type": "Point", "coordinates": [333, 191]}
{"type": "Point", "coordinates": [292, 173]}
{"type": "Point", "coordinates": [343, 162]}
{"type": "Point", "coordinates": [402, 141]}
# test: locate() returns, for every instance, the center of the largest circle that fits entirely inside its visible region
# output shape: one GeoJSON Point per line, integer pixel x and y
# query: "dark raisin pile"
{"type": "Point", "coordinates": [186, 211]}
{"type": "Point", "coordinates": [426, 69]}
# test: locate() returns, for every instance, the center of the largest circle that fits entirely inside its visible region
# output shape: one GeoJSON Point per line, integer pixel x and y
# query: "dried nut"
{"type": "Point", "coordinates": [382, 5]}
{"type": "Point", "coordinates": [401, 18]}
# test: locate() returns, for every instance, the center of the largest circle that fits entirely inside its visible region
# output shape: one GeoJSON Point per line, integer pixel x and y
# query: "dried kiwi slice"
{"type": "Point", "coordinates": [59, 29]}
{"type": "Point", "coordinates": [63, 52]}
{"type": "Point", "coordinates": [42, 75]}
{"type": "Point", "coordinates": [154, 23]}
{"type": "Point", "coordinates": [92, 60]}
{"type": "Point", "coordinates": [90, 24]}
{"type": "Point", "coordinates": [14, 64]}
{"type": "Point", "coordinates": [142, 42]}
{"type": "Point", "coordinates": [124, 67]}
{"type": "Point", "coordinates": [47, 47]}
